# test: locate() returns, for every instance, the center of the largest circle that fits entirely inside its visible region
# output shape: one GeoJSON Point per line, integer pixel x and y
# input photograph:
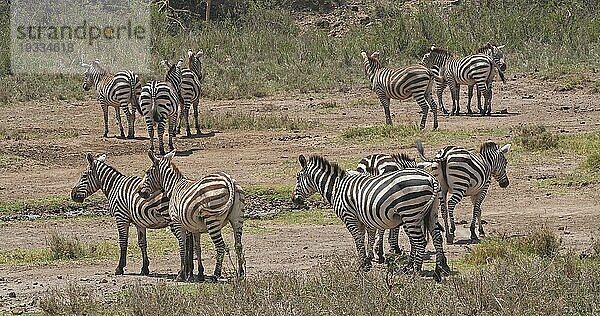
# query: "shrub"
{"type": "Point", "coordinates": [536, 137]}
{"type": "Point", "coordinates": [62, 247]}
{"type": "Point", "coordinates": [592, 162]}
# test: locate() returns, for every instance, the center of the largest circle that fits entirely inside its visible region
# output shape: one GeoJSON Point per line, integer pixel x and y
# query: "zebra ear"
{"type": "Point", "coordinates": [302, 161]}
{"type": "Point", "coordinates": [375, 55]}
{"type": "Point", "coordinates": [199, 54]}
{"type": "Point", "coordinates": [505, 148]}
{"type": "Point", "coordinates": [432, 48]}
{"type": "Point", "coordinates": [152, 157]}
{"type": "Point", "coordinates": [101, 158]}
{"type": "Point", "coordinates": [190, 53]}
{"type": "Point", "coordinates": [364, 55]}
{"type": "Point", "coordinates": [90, 158]}
{"type": "Point", "coordinates": [501, 46]}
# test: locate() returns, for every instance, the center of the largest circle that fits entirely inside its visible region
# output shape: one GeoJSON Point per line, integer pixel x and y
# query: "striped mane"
{"type": "Point", "coordinates": [402, 157]}
{"type": "Point", "coordinates": [320, 161]}
{"type": "Point", "coordinates": [99, 69]}
{"type": "Point", "coordinates": [109, 167]}
{"type": "Point", "coordinates": [489, 145]}
{"type": "Point", "coordinates": [440, 52]}
{"type": "Point", "coordinates": [175, 169]}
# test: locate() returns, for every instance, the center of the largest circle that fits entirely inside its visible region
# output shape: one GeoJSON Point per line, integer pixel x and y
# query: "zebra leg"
{"type": "Point", "coordinates": [130, 121]}
{"type": "Point", "coordinates": [482, 88]}
{"type": "Point", "coordinates": [214, 232]}
{"type": "Point", "coordinates": [412, 254]}
{"type": "Point", "coordinates": [452, 202]}
{"type": "Point", "coordinates": [105, 114]}
{"type": "Point", "coordinates": [489, 91]}
{"type": "Point", "coordinates": [161, 131]}
{"type": "Point", "coordinates": [477, 200]}
{"type": "Point", "coordinates": [444, 209]}
{"type": "Point", "coordinates": [470, 98]}
{"type": "Point", "coordinates": [195, 108]}
{"type": "Point", "coordinates": [123, 229]}
{"type": "Point", "coordinates": [239, 250]}
{"type": "Point", "coordinates": [198, 251]}
{"type": "Point", "coordinates": [371, 234]}
{"type": "Point", "coordinates": [379, 246]}
{"type": "Point", "coordinates": [441, 262]}
{"type": "Point", "coordinates": [385, 103]}
{"type": "Point", "coordinates": [357, 231]}
{"type": "Point", "coordinates": [180, 234]}
{"type": "Point", "coordinates": [439, 89]}
{"type": "Point", "coordinates": [172, 127]}
{"type": "Point", "coordinates": [118, 118]}
{"type": "Point", "coordinates": [457, 100]}
{"type": "Point", "coordinates": [179, 119]}
{"type": "Point", "coordinates": [186, 115]}
{"type": "Point", "coordinates": [453, 88]}
{"type": "Point", "coordinates": [144, 249]}
{"type": "Point", "coordinates": [433, 108]}
{"type": "Point", "coordinates": [421, 99]}
{"type": "Point", "coordinates": [189, 257]}
{"type": "Point", "coordinates": [393, 240]}
{"type": "Point", "coordinates": [479, 100]}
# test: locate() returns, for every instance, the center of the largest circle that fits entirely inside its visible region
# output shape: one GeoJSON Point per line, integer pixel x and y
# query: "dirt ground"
{"type": "Point", "coordinates": [48, 139]}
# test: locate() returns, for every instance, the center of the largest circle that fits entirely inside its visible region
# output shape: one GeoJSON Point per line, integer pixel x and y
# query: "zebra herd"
{"type": "Point", "coordinates": [385, 192]}
{"type": "Point", "coordinates": [161, 103]}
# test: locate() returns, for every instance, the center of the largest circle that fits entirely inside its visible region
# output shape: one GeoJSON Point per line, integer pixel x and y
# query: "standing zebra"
{"type": "Point", "coordinates": [401, 84]}
{"type": "Point", "coordinates": [495, 52]}
{"type": "Point", "coordinates": [116, 90]}
{"type": "Point", "coordinates": [191, 78]}
{"type": "Point", "coordinates": [159, 101]}
{"type": "Point", "coordinates": [127, 207]}
{"type": "Point", "coordinates": [199, 206]}
{"type": "Point", "coordinates": [377, 164]}
{"type": "Point", "coordinates": [365, 202]}
{"type": "Point", "coordinates": [455, 71]}
{"type": "Point", "coordinates": [465, 173]}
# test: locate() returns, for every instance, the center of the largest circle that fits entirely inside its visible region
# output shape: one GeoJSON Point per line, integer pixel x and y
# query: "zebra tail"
{"type": "Point", "coordinates": [430, 220]}
{"type": "Point", "coordinates": [501, 74]}
{"type": "Point", "coordinates": [421, 150]}
{"type": "Point", "coordinates": [136, 90]}
{"type": "Point", "coordinates": [154, 110]}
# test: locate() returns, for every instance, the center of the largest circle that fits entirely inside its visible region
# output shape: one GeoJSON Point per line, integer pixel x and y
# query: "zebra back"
{"type": "Point", "coordinates": [477, 67]}
{"type": "Point", "coordinates": [380, 163]}
{"type": "Point", "coordinates": [495, 52]}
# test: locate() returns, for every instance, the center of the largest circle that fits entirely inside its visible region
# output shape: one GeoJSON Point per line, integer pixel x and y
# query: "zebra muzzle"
{"type": "Point", "coordinates": [77, 196]}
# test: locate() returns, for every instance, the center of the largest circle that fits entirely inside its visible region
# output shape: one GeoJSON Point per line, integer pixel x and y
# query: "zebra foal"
{"type": "Point", "coordinates": [365, 203]}
{"type": "Point", "coordinates": [116, 90]}
{"type": "Point", "coordinates": [401, 84]}
{"type": "Point", "coordinates": [199, 206]}
{"type": "Point", "coordinates": [159, 101]}
{"type": "Point", "coordinates": [127, 206]}
{"type": "Point", "coordinates": [465, 173]}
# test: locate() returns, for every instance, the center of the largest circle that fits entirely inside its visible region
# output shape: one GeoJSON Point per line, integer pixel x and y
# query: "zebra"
{"type": "Point", "coordinates": [159, 101]}
{"type": "Point", "coordinates": [401, 84]}
{"type": "Point", "coordinates": [365, 202]}
{"type": "Point", "coordinates": [205, 205]}
{"type": "Point", "coordinates": [118, 91]}
{"type": "Point", "coordinates": [453, 71]}
{"type": "Point", "coordinates": [377, 164]}
{"type": "Point", "coordinates": [465, 173]}
{"type": "Point", "coordinates": [191, 78]}
{"type": "Point", "coordinates": [127, 206]}
{"type": "Point", "coordinates": [495, 52]}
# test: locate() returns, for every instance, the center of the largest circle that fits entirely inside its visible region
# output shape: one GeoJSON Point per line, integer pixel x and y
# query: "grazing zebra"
{"type": "Point", "coordinates": [159, 101]}
{"type": "Point", "coordinates": [401, 84]}
{"type": "Point", "coordinates": [205, 205]}
{"type": "Point", "coordinates": [191, 78]}
{"type": "Point", "coordinates": [364, 202]}
{"type": "Point", "coordinates": [116, 90]}
{"type": "Point", "coordinates": [465, 173]}
{"type": "Point", "coordinates": [455, 71]}
{"type": "Point", "coordinates": [377, 164]}
{"type": "Point", "coordinates": [127, 206]}
{"type": "Point", "coordinates": [495, 52]}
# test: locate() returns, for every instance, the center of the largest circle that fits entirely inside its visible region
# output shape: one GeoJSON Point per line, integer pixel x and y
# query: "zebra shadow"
{"type": "Point", "coordinates": [462, 242]}
{"type": "Point", "coordinates": [201, 135]}
{"type": "Point", "coordinates": [495, 114]}
{"type": "Point", "coordinates": [187, 152]}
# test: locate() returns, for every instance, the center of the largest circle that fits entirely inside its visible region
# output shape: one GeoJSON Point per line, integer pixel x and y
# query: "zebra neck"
{"type": "Point", "coordinates": [108, 178]}
{"type": "Point", "coordinates": [101, 81]}
{"type": "Point", "coordinates": [326, 182]}
{"type": "Point", "coordinates": [170, 180]}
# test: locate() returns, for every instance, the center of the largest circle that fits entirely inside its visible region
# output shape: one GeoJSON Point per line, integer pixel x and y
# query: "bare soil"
{"type": "Point", "coordinates": [47, 154]}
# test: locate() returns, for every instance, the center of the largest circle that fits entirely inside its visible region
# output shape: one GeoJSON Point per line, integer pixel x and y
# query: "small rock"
{"type": "Point", "coordinates": [354, 8]}
{"type": "Point", "coordinates": [565, 108]}
{"type": "Point", "coordinates": [16, 311]}
{"type": "Point", "coordinates": [59, 277]}
{"type": "Point", "coordinates": [104, 281]}
{"type": "Point", "coordinates": [84, 279]}
{"type": "Point", "coordinates": [35, 283]}
{"type": "Point", "coordinates": [528, 96]}
{"type": "Point", "coordinates": [12, 294]}
{"type": "Point", "coordinates": [305, 247]}
{"type": "Point", "coordinates": [566, 232]}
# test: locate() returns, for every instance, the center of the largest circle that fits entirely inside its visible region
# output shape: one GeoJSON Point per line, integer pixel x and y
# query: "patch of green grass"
{"type": "Point", "coordinates": [541, 243]}
{"type": "Point", "coordinates": [50, 204]}
{"type": "Point", "coordinates": [595, 87]}
{"type": "Point", "coordinates": [580, 143]}
{"type": "Point", "coordinates": [314, 216]}
{"type": "Point", "coordinates": [404, 135]}
{"type": "Point", "coordinates": [535, 137]}
{"type": "Point", "coordinates": [271, 193]}
{"type": "Point", "coordinates": [252, 121]}
{"type": "Point", "coordinates": [10, 160]}
{"type": "Point", "coordinates": [33, 134]}
{"type": "Point", "coordinates": [572, 81]}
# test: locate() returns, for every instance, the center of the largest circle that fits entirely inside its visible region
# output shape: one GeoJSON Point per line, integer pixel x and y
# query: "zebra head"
{"type": "Point", "coordinates": [371, 64]}
{"type": "Point", "coordinates": [305, 185]}
{"type": "Point", "coordinates": [153, 181]}
{"type": "Point", "coordinates": [495, 52]}
{"type": "Point", "coordinates": [195, 62]}
{"type": "Point", "coordinates": [92, 74]}
{"type": "Point", "coordinates": [494, 155]}
{"type": "Point", "coordinates": [173, 75]}
{"type": "Point", "coordinates": [89, 181]}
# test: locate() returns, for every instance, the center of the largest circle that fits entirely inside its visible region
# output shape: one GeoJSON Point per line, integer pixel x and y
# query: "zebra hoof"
{"type": "Point", "coordinates": [180, 277]}
{"type": "Point", "coordinates": [449, 239]}
{"type": "Point", "coordinates": [474, 238]}
{"type": "Point", "coordinates": [119, 271]}
{"type": "Point", "coordinates": [380, 259]}
{"type": "Point", "coordinates": [145, 271]}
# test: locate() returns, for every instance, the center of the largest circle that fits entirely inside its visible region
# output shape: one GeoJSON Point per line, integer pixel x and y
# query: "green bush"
{"type": "Point", "coordinates": [592, 162]}
{"type": "Point", "coordinates": [62, 247]}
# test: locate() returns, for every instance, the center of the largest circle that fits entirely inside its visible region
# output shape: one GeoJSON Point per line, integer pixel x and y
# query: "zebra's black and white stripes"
{"type": "Point", "coordinates": [465, 173]}
{"type": "Point", "coordinates": [495, 52]}
{"type": "Point", "coordinates": [159, 102]}
{"type": "Point", "coordinates": [400, 84]}
{"type": "Point", "coordinates": [364, 202]}
{"type": "Point", "coordinates": [200, 206]}
{"type": "Point", "coordinates": [455, 71]}
{"type": "Point", "coordinates": [127, 206]}
{"type": "Point", "coordinates": [118, 90]}
{"type": "Point", "coordinates": [191, 78]}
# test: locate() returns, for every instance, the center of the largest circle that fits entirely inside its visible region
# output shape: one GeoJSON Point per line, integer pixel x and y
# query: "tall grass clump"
{"type": "Point", "coordinates": [536, 137]}
{"type": "Point", "coordinates": [63, 247]}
